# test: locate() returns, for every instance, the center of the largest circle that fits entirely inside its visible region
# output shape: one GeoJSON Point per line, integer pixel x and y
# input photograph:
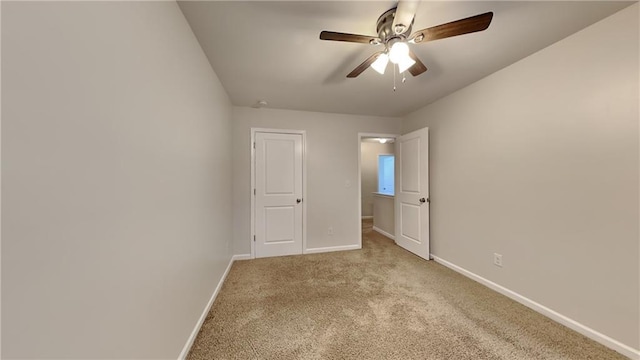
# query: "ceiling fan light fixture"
{"type": "Point", "coordinates": [394, 28]}
{"type": "Point", "coordinates": [405, 64]}
{"type": "Point", "coordinates": [398, 52]}
{"type": "Point", "coordinates": [381, 63]}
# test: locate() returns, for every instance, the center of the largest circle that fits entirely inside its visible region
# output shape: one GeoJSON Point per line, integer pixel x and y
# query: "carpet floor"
{"type": "Point", "coordinates": [380, 302]}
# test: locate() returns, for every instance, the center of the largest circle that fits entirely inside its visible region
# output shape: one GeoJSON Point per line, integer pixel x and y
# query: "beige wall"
{"type": "Point", "coordinates": [369, 152]}
{"type": "Point", "coordinates": [332, 162]}
{"type": "Point", "coordinates": [116, 180]}
{"type": "Point", "coordinates": [539, 162]}
{"type": "Point", "coordinates": [384, 217]}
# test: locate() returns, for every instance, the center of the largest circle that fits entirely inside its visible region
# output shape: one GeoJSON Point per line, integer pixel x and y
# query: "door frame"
{"type": "Point", "coordinates": [253, 183]}
{"type": "Point", "coordinates": [360, 137]}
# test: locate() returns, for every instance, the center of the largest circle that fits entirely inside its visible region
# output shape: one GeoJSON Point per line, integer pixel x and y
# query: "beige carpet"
{"type": "Point", "coordinates": [380, 302]}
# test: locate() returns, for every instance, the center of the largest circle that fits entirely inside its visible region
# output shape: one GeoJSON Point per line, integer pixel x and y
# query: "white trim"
{"type": "Point", "coordinates": [553, 315]}
{"type": "Point", "coordinates": [367, 217]}
{"type": "Point", "coordinates": [252, 141]}
{"type": "Point", "coordinates": [205, 312]}
{"type": "Point", "coordinates": [392, 237]}
{"type": "Point", "coordinates": [360, 136]}
{"type": "Point", "coordinates": [332, 248]}
{"type": "Point", "coordinates": [241, 257]}
{"type": "Point", "coordinates": [253, 182]}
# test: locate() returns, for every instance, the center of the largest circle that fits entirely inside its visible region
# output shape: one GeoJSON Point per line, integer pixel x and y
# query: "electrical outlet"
{"type": "Point", "coordinates": [330, 232]}
{"type": "Point", "coordinates": [497, 259]}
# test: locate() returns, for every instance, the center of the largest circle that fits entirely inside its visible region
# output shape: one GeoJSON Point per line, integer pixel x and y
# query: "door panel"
{"type": "Point", "coordinates": [278, 186]}
{"type": "Point", "coordinates": [412, 215]}
{"type": "Point", "coordinates": [410, 162]}
{"type": "Point", "coordinates": [280, 174]}
{"type": "Point", "coordinates": [279, 224]}
{"type": "Point", "coordinates": [411, 224]}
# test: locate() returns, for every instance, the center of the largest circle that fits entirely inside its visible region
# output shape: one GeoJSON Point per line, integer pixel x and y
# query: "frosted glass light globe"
{"type": "Point", "coordinates": [398, 52]}
{"type": "Point", "coordinates": [381, 63]}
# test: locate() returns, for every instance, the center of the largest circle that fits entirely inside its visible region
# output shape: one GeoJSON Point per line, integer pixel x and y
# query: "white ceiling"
{"type": "Point", "coordinates": [264, 50]}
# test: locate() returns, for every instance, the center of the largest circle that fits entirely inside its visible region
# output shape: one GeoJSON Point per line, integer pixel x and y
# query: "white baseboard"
{"type": "Point", "coordinates": [196, 330]}
{"type": "Point", "coordinates": [241, 257]}
{"type": "Point", "coordinates": [331, 248]}
{"type": "Point", "coordinates": [568, 322]}
{"type": "Point", "coordinates": [367, 217]}
{"type": "Point", "coordinates": [392, 237]}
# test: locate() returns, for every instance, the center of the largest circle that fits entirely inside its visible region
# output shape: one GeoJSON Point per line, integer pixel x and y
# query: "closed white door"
{"type": "Point", "coordinates": [278, 194]}
{"type": "Point", "coordinates": [412, 193]}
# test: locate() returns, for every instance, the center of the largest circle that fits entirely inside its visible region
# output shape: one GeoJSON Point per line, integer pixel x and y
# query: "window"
{"type": "Point", "coordinates": [386, 174]}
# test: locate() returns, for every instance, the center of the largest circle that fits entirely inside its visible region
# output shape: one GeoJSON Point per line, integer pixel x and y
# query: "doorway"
{"type": "Point", "coordinates": [277, 202]}
{"type": "Point", "coordinates": [376, 171]}
{"type": "Point", "coordinates": [409, 206]}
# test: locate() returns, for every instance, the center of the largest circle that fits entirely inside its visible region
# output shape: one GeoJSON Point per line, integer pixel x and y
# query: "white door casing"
{"type": "Point", "coordinates": [278, 194]}
{"type": "Point", "coordinates": [412, 192]}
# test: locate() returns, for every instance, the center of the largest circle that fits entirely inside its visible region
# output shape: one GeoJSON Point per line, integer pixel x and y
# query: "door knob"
{"type": "Point", "coordinates": [298, 201]}
{"type": "Point", "coordinates": [422, 200]}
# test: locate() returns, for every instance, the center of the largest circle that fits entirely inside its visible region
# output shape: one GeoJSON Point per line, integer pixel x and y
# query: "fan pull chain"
{"type": "Point", "coordinates": [404, 77]}
{"type": "Point", "coordinates": [394, 77]}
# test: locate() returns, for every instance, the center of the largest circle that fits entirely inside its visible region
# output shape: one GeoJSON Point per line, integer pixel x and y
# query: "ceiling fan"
{"type": "Point", "coordinates": [394, 32]}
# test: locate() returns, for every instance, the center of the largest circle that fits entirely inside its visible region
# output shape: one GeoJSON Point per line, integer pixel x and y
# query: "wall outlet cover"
{"type": "Point", "coordinates": [497, 259]}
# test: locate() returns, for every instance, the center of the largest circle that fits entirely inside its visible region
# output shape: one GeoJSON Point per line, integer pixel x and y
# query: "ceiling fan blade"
{"type": "Point", "coordinates": [362, 67]}
{"type": "Point", "coordinates": [405, 12]}
{"type": "Point", "coordinates": [417, 68]}
{"type": "Point", "coordinates": [454, 28]}
{"type": "Point", "coordinates": [337, 36]}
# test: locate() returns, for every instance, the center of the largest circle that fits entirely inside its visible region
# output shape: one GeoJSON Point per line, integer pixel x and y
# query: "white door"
{"type": "Point", "coordinates": [412, 192]}
{"type": "Point", "coordinates": [278, 194]}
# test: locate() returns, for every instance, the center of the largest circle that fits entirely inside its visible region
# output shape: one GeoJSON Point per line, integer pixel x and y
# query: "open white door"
{"type": "Point", "coordinates": [412, 192]}
{"type": "Point", "coordinates": [278, 194]}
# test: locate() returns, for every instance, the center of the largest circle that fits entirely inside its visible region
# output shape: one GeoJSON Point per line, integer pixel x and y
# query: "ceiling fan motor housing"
{"type": "Point", "coordinates": [384, 27]}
